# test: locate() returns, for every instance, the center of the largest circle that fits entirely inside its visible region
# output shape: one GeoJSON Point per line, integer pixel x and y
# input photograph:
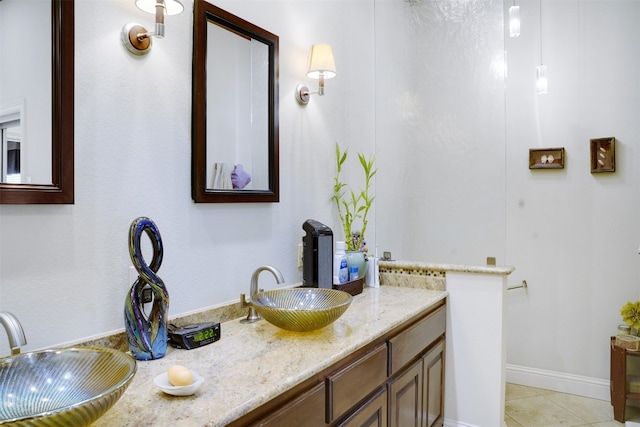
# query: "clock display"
{"type": "Point", "coordinates": [203, 335]}
{"type": "Point", "coordinates": [195, 335]}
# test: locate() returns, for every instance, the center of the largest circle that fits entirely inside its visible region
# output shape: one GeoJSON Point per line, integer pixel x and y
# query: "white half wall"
{"type": "Point", "coordinates": [476, 350]}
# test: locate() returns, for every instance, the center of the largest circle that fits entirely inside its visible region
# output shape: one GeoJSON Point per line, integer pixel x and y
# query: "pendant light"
{"type": "Point", "coordinates": [514, 20]}
{"type": "Point", "coordinates": [541, 70]}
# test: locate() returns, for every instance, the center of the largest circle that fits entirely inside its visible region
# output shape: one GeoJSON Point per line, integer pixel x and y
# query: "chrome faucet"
{"type": "Point", "coordinates": [252, 316]}
{"type": "Point", "coordinates": [14, 330]}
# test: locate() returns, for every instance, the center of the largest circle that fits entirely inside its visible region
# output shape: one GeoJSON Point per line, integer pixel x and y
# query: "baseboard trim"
{"type": "Point", "coordinates": [453, 423]}
{"type": "Point", "coordinates": [557, 381]}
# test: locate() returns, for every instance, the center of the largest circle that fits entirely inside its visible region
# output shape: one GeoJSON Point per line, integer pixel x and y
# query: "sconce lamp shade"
{"type": "Point", "coordinates": [321, 62]}
{"type": "Point", "coordinates": [171, 7]}
{"type": "Point", "coordinates": [321, 66]}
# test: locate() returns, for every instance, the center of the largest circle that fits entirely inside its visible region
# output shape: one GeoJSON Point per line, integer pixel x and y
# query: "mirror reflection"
{"type": "Point", "coordinates": [25, 92]}
{"type": "Point", "coordinates": [235, 110]}
{"type": "Point", "coordinates": [238, 120]}
{"type": "Point", "coordinates": [11, 154]}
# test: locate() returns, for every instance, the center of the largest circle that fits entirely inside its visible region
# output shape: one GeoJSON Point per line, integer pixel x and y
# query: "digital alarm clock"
{"type": "Point", "coordinates": [195, 335]}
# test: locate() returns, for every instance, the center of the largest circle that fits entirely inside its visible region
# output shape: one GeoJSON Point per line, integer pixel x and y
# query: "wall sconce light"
{"type": "Point", "coordinates": [321, 66]}
{"type": "Point", "coordinates": [135, 37]}
{"type": "Point", "coordinates": [514, 20]}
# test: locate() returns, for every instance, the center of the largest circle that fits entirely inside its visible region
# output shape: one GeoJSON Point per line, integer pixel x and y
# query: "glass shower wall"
{"type": "Point", "coordinates": [440, 129]}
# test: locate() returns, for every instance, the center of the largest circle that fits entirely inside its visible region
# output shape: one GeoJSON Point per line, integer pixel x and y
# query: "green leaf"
{"type": "Point", "coordinates": [351, 204]}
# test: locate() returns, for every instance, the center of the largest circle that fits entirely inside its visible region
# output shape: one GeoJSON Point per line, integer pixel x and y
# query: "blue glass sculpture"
{"type": "Point", "coordinates": [146, 335]}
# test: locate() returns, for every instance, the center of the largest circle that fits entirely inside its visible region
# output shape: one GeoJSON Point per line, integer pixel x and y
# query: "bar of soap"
{"type": "Point", "coordinates": [180, 376]}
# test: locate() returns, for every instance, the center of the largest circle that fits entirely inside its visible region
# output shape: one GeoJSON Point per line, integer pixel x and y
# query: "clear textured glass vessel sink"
{"type": "Point", "coordinates": [66, 387]}
{"type": "Point", "coordinates": [301, 309]}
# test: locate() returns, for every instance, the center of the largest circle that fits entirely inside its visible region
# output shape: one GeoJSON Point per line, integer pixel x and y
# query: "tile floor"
{"type": "Point", "coordinates": [534, 407]}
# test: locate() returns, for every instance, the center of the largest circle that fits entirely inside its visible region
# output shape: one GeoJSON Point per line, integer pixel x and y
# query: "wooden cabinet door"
{"type": "Point", "coordinates": [372, 414]}
{"type": "Point", "coordinates": [405, 397]}
{"type": "Point", "coordinates": [433, 392]}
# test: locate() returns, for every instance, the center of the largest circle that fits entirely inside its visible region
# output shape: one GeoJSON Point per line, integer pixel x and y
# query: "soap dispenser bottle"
{"type": "Point", "coordinates": [340, 268]}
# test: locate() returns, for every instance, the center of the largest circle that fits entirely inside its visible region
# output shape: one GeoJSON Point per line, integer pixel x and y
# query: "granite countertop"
{"type": "Point", "coordinates": [253, 363]}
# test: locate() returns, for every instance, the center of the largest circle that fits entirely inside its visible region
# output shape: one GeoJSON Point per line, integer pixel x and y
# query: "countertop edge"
{"type": "Point", "coordinates": [458, 268]}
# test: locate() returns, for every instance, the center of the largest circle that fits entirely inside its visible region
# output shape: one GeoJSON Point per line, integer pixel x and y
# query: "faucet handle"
{"type": "Point", "coordinates": [243, 301]}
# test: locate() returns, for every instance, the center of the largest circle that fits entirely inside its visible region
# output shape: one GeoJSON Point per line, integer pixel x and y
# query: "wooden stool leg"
{"type": "Point", "coordinates": [618, 382]}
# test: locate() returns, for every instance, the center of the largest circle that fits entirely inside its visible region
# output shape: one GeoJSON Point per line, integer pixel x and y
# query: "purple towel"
{"type": "Point", "coordinates": [239, 177]}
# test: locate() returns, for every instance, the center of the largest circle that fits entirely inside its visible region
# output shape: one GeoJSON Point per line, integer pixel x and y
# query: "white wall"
{"type": "Point", "coordinates": [64, 269]}
{"type": "Point", "coordinates": [454, 171]}
{"type": "Point", "coordinates": [571, 234]}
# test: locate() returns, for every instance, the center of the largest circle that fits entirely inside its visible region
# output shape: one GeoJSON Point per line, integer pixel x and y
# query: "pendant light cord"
{"type": "Point", "coordinates": [541, 32]}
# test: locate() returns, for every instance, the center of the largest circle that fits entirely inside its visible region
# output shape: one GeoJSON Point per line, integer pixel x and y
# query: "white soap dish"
{"type": "Point", "coordinates": [162, 382]}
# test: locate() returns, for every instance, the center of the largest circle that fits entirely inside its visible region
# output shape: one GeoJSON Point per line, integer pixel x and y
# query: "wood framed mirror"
{"type": "Point", "coordinates": [60, 188]}
{"type": "Point", "coordinates": [235, 153]}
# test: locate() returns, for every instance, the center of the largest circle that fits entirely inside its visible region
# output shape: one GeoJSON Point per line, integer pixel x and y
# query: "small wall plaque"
{"type": "Point", "coordinates": [603, 155]}
{"type": "Point", "coordinates": [546, 158]}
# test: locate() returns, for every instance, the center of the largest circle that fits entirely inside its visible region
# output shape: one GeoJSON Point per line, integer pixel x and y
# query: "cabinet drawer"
{"type": "Point", "coordinates": [306, 410]}
{"type": "Point", "coordinates": [355, 381]}
{"type": "Point", "coordinates": [411, 342]}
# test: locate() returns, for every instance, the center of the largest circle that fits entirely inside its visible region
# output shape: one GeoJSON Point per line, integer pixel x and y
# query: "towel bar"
{"type": "Point", "coordinates": [521, 285]}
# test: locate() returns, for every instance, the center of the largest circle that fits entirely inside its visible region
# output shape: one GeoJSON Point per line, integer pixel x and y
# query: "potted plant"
{"type": "Point", "coordinates": [353, 207]}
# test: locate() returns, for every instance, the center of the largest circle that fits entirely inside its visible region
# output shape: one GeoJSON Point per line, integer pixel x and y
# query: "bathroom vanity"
{"type": "Point", "coordinates": [398, 377]}
{"type": "Point", "coordinates": [383, 357]}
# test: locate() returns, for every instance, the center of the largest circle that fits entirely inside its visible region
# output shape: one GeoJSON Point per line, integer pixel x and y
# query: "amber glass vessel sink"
{"type": "Point", "coordinates": [66, 387]}
{"type": "Point", "coordinates": [301, 309]}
